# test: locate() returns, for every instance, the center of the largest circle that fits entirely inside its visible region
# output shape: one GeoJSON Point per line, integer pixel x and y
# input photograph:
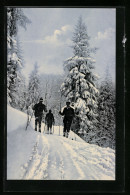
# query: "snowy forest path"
{"type": "Point", "coordinates": [50, 160]}
{"type": "Point", "coordinates": [33, 155]}
{"type": "Point", "coordinates": [55, 157]}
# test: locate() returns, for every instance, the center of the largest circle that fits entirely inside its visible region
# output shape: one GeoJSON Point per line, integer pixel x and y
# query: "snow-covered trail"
{"type": "Point", "coordinates": [33, 155]}
{"type": "Point", "coordinates": [54, 157]}
{"type": "Point", "coordinates": [51, 160]}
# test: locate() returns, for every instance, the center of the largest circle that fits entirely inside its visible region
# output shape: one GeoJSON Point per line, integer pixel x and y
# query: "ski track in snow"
{"type": "Point", "coordinates": [94, 166]}
{"type": "Point", "coordinates": [36, 167]}
{"type": "Point", "coordinates": [57, 158]}
{"type": "Point", "coordinates": [38, 156]}
{"type": "Point", "coordinates": [74, 159]}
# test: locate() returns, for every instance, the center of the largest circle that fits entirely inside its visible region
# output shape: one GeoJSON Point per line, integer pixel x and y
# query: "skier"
{"type": "Point", "coordinates": [49, 121]}
{"type": "Point", "coordinates": [68, 113]}
{"type": "Point", "coordinates": [38, 108]}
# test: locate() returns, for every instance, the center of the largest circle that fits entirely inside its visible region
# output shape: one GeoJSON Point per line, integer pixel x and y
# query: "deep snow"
{"type": "Point", "coordinates": [33, 155]}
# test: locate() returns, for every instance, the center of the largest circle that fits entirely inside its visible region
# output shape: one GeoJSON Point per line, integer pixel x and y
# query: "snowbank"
{"type": "Point", "coordinates": [15, 119]}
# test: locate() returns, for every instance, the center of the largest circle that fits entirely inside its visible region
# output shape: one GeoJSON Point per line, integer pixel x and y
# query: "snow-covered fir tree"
{"type": "Point", "coordinates": [79, 86]}
{"type": "Point", "coordinates": [20, 84]}
{"type": "Point", "coordinates": [34, 92]}
{"type": "Point", "coordinates": [15, 18]}
{"type": "Point", "coordinates": [20, 96]}
{"type": "Point", "coordinates": [106, 110]}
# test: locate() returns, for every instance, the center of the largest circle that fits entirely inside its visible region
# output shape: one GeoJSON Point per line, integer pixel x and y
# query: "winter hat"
{"type": "Point", "coordinates": [41, 99]}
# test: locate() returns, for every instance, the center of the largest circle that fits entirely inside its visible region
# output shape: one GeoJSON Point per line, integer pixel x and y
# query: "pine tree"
{"type": "Point", "coordinates": [20, 96]}
{"type": "Point", "coordinates": [33, 87]}
{"type": "Point", "coordinates": [15, 17]}
{"type": "Point", "coordinates": [79, 86]}
{"type": "Point", "coordinates": [20, 85]}
{"type": "Point", "coordinates": [106, 110]}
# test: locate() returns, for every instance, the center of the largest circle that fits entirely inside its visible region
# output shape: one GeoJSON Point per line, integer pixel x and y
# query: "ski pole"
{"type": "Point", "coordinates": [53, 129]}
{"type": "Point", "coordinates": [59, 129]}
{"type": "Point", "coordinates": [44, 128]}
{"type": "Point", "coordinates": [59, 125]}
{"type": "Point", "coordinates": [60, 110]}
{"type": "Point", "coordinates": [27, 122]}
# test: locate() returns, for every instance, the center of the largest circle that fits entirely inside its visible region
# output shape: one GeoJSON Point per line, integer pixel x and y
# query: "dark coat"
{"type": "Point", "coordinates": [68, 114]}
{"type": "Point", "coordinates": [49, 117]}
{"type": "Point", "coordinates": [38, 108]}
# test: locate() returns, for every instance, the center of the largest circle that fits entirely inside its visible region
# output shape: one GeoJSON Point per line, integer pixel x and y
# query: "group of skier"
{"type": "Point", "coordinates": [67, 112]}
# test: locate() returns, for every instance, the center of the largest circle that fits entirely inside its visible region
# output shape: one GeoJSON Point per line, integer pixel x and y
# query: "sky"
{"type": "Point", "coordinates": [47, 40]}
